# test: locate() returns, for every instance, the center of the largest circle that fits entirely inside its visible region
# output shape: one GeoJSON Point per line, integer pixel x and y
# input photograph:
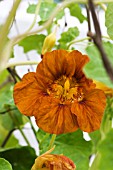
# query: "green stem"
{"type": "Point", "coordinates": [20, 63]}
{"type": "Point", "coordinates": [83, 39]}
{"type": "Point", "coordinates": [53, 15]}
{"type": "Point", "coordinates": [106, 37]}
{"type": "Point", "coordinates": [76, 41]}
{"type": "Point", "coordinates": [103, 6]}
{"type": "Point", "coordinates": [36, 13]}
{"type": "Point", "coordinates": [21, 131]}
{"type": "Point", "coordinates": [106, 126]}
{"type": "Point", "coordinates": [7, 138]}
{"type": "Point", "coordinates": [45, 137]}
{"type": "Point", "coordinates": [15, 120]}
{"type": "Point", "coordinates": [6, 46]}
{"type": "Point", "coordinates": [5, 29]}
{"type": "Point", "coordinates": [32, 126]}
{"type": "Point", "coordinates": [52, 141]}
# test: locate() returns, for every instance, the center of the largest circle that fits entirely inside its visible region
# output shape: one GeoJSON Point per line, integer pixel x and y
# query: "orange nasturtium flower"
{"type": "Point", "coordinates": [59, 95]}
{"type": "Point", "coordinates": [49, 161]}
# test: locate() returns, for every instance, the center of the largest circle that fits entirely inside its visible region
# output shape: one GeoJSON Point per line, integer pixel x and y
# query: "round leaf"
{"type": "Point", "coordinates": [5, 165]}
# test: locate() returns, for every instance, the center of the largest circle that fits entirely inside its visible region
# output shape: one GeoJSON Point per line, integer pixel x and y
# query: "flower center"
{"type": "Point", "coordinates": [66, 89]}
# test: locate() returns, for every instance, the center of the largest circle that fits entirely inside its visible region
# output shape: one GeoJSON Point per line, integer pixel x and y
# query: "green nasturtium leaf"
{"type": "Point", "coordinates": [5, 165]}
{"type": "Point", "coordinates": [106, 124]}
{"type": "Point", "coordinates": [71, 145]}
{"type": "Point", "coordinates": [105, 150]}
{"type": "Point", "coordinates": [109, 20]}
{"type": "Point", "coordinates": [33, 42]}
{"type": "Point", "coordinates": [44, 140]}
{"type": "Point", "coordinates": [12, 141]}
{"type": "Point", "coordinates": [95, 138]}
{"type": "Point", "coordinates": [21, 158]}
{"type": "Point", "coordinates": [75, 147]}
{"type": "Point", "coordinates": [6, 96]}
{"type": "Point", "coordinates": [45, 11]}
{"type": "Point", "coordinates": [95, 69]}
{"type": "Point", "coordinates": [67, 37]}
{"type": "Point", "coordinates": [76, 11]}
{"type": "Point", "coordinates": [3, 76]}
{"type": "Point", "coordinates": [31, 9]}
{"type": "Point", "coordinates": [10, 117]}
{"type": "Point", "coordinates": [3, 134]}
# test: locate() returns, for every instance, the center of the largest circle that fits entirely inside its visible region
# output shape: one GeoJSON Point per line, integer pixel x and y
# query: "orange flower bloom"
{"type": "Point", "coordinates": [59, 95]}
{"type": "Point", "coordinates": [49, 161]}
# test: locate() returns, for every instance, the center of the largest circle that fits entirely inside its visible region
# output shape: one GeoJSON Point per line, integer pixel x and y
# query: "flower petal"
{"type": "Point", "coordinates": [27, 95]}
{"type": "Point", "coordinates": [76, 61]}
{"type": "Point", "coordinates": [55, 118]}
{"type": "Point", "coordinates": [53, 64]}
{"type": "Point", "coordinates": [71, 65]}
{"type": "Point", "coordinates": [89, 112]}
{"type": "Point", "coordinates": [42, 81]}
{"type": "Point", "coordinates": [53, 162]}
{"type": "Point", "coordinates": [80, 61]}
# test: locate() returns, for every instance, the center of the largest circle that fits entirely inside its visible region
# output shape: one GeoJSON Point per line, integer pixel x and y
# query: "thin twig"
{"type": "Point", "coordinates": [95, 20]}
{"type": "Point", "coordinates": [12, 74]}
{"type": "Point", "coordinates": [7, 138]}
{"type": "Point", "coordinates": [98, 41]}
{"type": "Point", "coordinates": [54, 13]}
{"type": "Point", "coordinates": [8, 110]}
{"type": "Point", "coordinates": [15, 73]}
{"type": "Point", "coordinates": [89, 19]}
{"type": "Point", "coordinates": [16, 123]}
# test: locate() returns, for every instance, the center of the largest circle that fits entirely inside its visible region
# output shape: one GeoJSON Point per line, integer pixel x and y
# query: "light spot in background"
{"type": "Point", "coordinates": [86, 136]}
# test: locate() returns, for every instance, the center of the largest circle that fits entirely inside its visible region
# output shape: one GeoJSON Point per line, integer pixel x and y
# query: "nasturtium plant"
{"type": "Point", "coordinates": [33, 42]}
{"type": "Point", "coordinates": [5, 165]}
{"type": "Point", "coordinates": [21, 158]}
{"type": "Point", "coordinates": [98, 72]}
{"type": "Point", "coordinates": [67, 37]}
{"type": "Point", "coordinates": [46, 9]}
{"type": "Point", "coordinates": [58, 114]}
{"type": "Point", "coordinates": [7, 98]}
{"type": "Point", "coordinates": [76, 11]}
{"type": "Point", "coordinates": [105, 148]}
{"type": "Point", "coordinates": [76, 148]}
{"type": "Point", "coordinates": [3, 76]}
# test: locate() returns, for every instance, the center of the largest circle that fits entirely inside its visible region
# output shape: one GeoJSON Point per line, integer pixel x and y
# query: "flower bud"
{"type": "Point", "coordinates": [49, 161]}
{"type": "Point", "coordinates": [107, 90]}
{"type": "Point", "coordinates": [49, 42]}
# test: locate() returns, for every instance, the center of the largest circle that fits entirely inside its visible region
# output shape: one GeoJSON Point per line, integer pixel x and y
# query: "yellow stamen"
{"type": "Point", "coordinates": [66, 86]}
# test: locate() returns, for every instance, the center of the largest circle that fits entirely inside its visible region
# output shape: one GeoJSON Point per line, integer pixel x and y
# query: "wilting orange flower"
{"type": "Point", "coordinates": [49, 161]}
{"type": "Point", "coordinates": [59, 95]}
